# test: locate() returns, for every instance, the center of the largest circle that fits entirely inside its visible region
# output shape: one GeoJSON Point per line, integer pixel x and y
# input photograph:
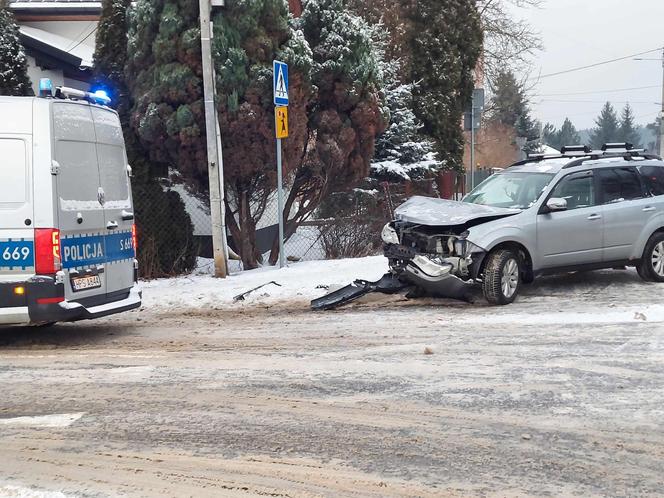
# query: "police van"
{"type": "Point", "coordinates": [67, 233]}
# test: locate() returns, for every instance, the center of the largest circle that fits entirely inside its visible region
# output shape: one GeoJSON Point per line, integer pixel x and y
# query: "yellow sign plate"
{"type": "Point", "coordinates": [281, 121]}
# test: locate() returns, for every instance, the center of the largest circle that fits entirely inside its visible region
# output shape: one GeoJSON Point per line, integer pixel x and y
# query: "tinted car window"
{"type": "Point", "coordinates": [619, 184]}
{"type": "Point", "coordinates": [653, 178]}
{"type": "Point", "coordinates": [577, 190]}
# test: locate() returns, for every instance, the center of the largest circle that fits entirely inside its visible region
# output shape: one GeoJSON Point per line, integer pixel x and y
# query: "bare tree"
{"type": "Point", "coordinates": [508, 41]}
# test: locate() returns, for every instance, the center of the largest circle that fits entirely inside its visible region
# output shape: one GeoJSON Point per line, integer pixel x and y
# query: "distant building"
{"type": "Point", "coordinates": [59, 38]}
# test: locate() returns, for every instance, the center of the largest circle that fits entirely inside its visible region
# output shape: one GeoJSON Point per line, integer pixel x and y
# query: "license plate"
{"type": "Point", "coordinates": [85, 283]}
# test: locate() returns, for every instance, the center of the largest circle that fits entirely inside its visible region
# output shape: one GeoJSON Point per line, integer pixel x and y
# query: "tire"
{"type": "Point", "coordinates": [651, 267]}
{"type": "Point", "coordinates": [502, 277]}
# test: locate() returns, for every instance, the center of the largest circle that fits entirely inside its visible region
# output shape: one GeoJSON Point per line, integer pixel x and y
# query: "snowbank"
{"type": "Point", "coordinates": [584, 299]}
{"type": "Point", "coordinates": [299, 281]}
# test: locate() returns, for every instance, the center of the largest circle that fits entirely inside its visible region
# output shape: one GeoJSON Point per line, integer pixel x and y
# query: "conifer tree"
{"type": "Point", "coordinates": [14, 79]}
{"type": "Point", "coordinates": [110, 56]}
{"type": "Point", "coordinates": [509, 106]}
{"type": "Point", "coordinates": [335, 111]}
{"type": "Point", "coordinates": [568, 134]}
{"type": "Point", "coordinates": [161, 251]}
{"type": "Point", "coordinates": [402, 153]}
{"type": "Point", "coordinates": [550, 136]}
{"type": "Point", "coordinates": [446, 45]}
{"type": "Point", "coordinates": [627, 131]}
{"type": "Point", "coordinates": [607, 130]}
{"type": "Point", "coordinates": [164, 64]}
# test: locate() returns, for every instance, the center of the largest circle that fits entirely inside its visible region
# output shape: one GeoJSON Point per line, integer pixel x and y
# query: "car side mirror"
{"type": "Point", "coordinates": [556, 204]}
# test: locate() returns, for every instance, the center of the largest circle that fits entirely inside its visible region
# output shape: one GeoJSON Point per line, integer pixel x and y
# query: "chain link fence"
{"type": "Point", "coordinates": [348, 224]}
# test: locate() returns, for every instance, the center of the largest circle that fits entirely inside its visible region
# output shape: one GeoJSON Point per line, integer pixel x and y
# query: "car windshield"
{"type": "Point", "coordinates": [510, 190]}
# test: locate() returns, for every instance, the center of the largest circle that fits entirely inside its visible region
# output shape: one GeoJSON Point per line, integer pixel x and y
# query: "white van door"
{"type": "Point", "coordinates": [117, 202]}
{"type": "Point", "coordinates": [79, 196]}
{"type": "Point", "coordinates": [16, 208]}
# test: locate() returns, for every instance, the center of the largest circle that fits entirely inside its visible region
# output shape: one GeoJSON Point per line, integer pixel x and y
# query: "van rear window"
{"type": "Point", "coordinates": [13, 171]}
{"type": "Point", "coordinates": [113, 173]}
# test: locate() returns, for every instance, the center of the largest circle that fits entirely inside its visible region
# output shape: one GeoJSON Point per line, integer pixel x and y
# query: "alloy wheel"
{"type": "Point", "coordinates": [658, 259]}
{"type": "Point", "coordinates": [510, 278]}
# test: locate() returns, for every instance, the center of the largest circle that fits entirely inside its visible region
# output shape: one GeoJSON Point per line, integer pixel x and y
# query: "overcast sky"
{"type": "Point", "coordinates": [582, 32]}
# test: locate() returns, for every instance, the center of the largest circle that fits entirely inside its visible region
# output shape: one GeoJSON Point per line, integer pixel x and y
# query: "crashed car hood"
{"type": "Point", "coordinates": [432, 211]}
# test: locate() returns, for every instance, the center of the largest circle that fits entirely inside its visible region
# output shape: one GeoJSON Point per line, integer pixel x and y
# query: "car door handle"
{"type": "Point", "coordinates": [112, 225]}
{"type": "Point", "coordinates": [594, 217]}
{"type": "Point", "coordinates": [649, 209]}
{"type": "Point", "coordinates": [126, 215]}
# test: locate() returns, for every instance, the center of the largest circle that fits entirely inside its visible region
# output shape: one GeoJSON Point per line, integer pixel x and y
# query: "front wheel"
{"type": "Point", "coordinates": [651, 267]}
{"type": "Point", "coordinates": [502, 277]}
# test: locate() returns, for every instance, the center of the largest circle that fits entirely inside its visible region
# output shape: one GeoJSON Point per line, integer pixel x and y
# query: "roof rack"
{"type": "Point", "coordinates": [578, 154]}
{"type": "Point", "coordinates": [568, 151]}
{"type": "Point", "coordinates": [618, 146]}
{"type": "Point", "coordinates": [626, 154]}
{"type": "Point", "coordinates": [575, 148]}
{"type": "Point", "coordinates": [535, 158]}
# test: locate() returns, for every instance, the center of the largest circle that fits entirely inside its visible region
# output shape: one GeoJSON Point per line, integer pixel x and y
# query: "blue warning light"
{"type": "Point", "coordinates": [45, 87]}
{"type": "Point", "coordinates": [102, 97]}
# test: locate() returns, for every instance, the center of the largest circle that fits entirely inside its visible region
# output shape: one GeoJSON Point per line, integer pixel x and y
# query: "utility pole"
{"type": "Point", "coordinates": [214, 153]}
{"type": "Point", "coordinates": [661, 117]}
{"type": "Point", "coordinates": [472, 143]}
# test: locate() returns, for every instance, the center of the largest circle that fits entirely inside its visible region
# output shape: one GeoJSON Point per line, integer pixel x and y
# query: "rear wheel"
{"type": "Point", "coordinates": [651, 267]}
{"type": "Point", "coordinates": [502, 277]}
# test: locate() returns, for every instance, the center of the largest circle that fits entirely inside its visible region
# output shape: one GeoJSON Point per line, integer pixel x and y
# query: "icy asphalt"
{"type": "Point", "coordinates": [560, 394]}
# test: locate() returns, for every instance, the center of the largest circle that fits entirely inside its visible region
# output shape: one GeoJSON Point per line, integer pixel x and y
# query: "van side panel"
{"type": "Point", "coordinates": [44, 182]}
{"type": "Point", "coordinates": [17, 257]}
{"type": "Point", "coordinates": [16, 196]}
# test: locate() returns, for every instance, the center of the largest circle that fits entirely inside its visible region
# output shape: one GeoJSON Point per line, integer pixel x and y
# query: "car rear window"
{"type": "Point", "coordinates": [653, 178]}
{"type": "Point", "coordinates": [619, 184]}
{"type": "Point", "coordinates": [13, 171]}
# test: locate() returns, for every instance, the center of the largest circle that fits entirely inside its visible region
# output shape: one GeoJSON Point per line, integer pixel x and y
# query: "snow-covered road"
{"type": "Point", "coordinates": [559, 394]}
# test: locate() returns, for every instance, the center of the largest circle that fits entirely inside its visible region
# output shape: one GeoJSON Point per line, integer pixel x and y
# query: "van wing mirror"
{"type": "Point", "coordinates": [556, 204]}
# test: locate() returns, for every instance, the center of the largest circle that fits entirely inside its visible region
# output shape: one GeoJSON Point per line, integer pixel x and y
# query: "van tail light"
{"type": "Point", "coordinates": [134, 239]}
{"type": "Point", "coordinates": [47, 251]}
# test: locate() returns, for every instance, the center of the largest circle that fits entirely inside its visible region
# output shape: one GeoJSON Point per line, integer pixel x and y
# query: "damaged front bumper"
{"type": "Point", "coordinates": [452, 277]}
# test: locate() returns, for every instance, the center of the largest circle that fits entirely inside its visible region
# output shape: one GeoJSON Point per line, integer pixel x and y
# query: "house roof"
{"type": "Point", "coordinates": [55, 7]}
{"type": "Point", "coordinates": [62, 48]}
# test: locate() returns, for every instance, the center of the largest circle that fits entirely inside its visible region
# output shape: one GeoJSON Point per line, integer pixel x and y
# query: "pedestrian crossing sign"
{"type": "Point", "coordinates": [281, 121]}
{"type": "Point", "coordinates": [280, 77]}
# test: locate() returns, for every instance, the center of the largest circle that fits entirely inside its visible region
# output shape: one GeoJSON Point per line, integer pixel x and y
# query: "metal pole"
{"type": "Point", "coordinates": [472, 144]}
{"type": "Point", "coordinates": [280, 204]}
{"type": "Point", "coordinates": [661, 117]}
{"type": "Point", "coordinates": [215, 164]}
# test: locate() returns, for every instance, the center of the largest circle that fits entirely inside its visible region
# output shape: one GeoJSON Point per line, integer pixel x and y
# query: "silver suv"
{"type": "Point", "coordinates": [580, 210]}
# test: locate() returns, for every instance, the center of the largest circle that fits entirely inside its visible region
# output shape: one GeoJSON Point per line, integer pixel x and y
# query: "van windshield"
{"type": "Point", "coordinates": [510, 190]}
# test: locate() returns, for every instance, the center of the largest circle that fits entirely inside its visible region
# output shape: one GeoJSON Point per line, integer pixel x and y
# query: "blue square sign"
{"type": "Point", "coordinates": [280, 78]}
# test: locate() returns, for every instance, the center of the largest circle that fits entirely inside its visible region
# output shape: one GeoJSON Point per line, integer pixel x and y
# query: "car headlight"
{"type": "Point", "coordinates": [389, 235]}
